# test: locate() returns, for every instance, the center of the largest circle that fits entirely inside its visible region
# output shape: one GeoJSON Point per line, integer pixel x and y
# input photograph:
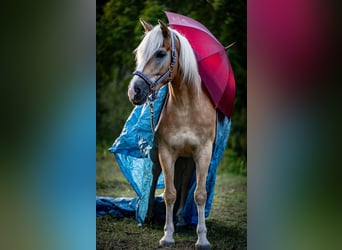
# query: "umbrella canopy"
{"type": "Point", "coordinates": [213, 63]}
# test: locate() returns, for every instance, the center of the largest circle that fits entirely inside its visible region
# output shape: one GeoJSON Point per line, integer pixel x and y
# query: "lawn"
{"type": "Point", "coordinates": [227, 223]}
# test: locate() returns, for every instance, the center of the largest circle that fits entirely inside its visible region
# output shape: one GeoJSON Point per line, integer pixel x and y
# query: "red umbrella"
{"type": "Point", "coordinates": [213, 63]}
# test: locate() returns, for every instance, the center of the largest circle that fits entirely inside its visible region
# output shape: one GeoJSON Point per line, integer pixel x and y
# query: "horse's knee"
{"type": "Point", "coordinates": [170, 196]}
{"type": "Point", "coordinates": [200, 196]}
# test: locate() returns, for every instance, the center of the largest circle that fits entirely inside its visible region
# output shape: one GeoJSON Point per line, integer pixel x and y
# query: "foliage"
{"type": "Point", "coordinates": [118, 34]}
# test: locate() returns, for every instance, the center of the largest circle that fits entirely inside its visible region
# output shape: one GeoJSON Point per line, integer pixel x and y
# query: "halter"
{"type": "Point", "coordinates": [153, 85]}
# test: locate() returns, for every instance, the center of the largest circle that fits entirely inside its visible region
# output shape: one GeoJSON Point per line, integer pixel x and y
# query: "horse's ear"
{"type": "Point", "coordinates": [164, 28]}
{"type": "Point", "coordinates": [146, 25]}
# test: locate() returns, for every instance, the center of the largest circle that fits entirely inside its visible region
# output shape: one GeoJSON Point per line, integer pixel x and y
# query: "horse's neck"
{"type": "Point", "coordinates": [184, 95]}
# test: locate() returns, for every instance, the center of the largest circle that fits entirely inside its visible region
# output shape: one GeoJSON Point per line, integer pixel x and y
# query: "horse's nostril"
{"type": "Point", "coordinates": [137, 90]}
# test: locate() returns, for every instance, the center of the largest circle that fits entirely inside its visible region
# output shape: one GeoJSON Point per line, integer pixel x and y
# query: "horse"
{"type": "Point", "coordinates": [187, 124]}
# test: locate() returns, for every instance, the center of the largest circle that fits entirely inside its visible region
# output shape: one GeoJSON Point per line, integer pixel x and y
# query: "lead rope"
{"type": "Point", "coordinates": [153, 85]}
{"type": "Point", "coordinates": [152, 113]}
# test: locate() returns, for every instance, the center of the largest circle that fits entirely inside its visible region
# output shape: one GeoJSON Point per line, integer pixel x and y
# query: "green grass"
{"type": "Point", "coordinates": [232, 163]}
{"type": "Point", "coordinates": [226, 225]}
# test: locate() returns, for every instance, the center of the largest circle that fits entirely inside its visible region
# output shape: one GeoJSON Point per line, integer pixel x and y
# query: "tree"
{"type": "Point", "coordinates": [118, 34]}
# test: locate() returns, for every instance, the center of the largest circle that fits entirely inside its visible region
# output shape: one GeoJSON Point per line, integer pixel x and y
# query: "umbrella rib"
{"type": "Point", "coordinates": [196, 29]}
{"type": "Point", "coordinates": [218, 52]}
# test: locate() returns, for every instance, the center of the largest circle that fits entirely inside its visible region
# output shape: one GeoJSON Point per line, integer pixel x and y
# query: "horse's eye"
{"type": "Point", "coordinates": [160, 54]}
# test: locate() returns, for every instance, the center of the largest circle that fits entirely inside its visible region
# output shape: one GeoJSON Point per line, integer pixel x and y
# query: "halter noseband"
{"type": "Point", "coordinates": [153, 85]}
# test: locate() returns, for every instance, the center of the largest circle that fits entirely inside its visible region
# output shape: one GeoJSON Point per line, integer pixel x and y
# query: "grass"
{"type": "Point", "coordinates": [226, 225]}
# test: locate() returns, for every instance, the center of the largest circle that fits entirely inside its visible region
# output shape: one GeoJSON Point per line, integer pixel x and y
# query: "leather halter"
{"type": "Point", "coordinates": [168, 73]}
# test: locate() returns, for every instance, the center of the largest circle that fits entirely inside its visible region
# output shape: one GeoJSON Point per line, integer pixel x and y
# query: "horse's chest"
{"type": "Point", "coordinates": [186, 138]}
{"type": "Point", "coordinates": [183, 142]}
{"type": "Point", "coordinates": [182, 132]}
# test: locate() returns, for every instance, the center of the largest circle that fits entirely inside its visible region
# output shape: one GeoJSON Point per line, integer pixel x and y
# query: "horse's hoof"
{"type": "Point", "coordinates": [166, 243]}
{"type": "Point", "coordinates": [202, 247]}
{"type": "Point", "coordinates": [149, 219]}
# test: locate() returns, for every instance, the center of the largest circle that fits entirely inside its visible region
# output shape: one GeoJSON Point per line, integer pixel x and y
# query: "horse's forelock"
{"type": "Point", "coordinates": [151, 42]}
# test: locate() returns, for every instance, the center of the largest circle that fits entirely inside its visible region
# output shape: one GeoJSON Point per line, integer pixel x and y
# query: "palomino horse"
{"type": "Point", "coordinates": [187, 124]}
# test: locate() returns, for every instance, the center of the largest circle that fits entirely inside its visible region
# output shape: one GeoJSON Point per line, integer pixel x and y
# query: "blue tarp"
{"type": "Point", "coordinates": [131, 150]}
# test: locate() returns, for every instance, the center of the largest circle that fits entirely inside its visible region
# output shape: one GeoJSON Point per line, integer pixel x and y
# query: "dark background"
{"type": "Point", "coordinates": [118, 33]}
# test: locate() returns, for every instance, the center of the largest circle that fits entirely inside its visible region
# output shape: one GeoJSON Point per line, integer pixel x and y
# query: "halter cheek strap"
{"type": "Point", "coordinates": [153, 85]}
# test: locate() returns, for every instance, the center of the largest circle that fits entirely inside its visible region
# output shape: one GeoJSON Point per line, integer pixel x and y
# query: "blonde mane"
{"type": "Point", "coordinates": [153, 40]}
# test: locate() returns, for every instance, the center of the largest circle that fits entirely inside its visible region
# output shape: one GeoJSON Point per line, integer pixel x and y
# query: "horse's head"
{"type": "Point", "coordinates": [156, 60]}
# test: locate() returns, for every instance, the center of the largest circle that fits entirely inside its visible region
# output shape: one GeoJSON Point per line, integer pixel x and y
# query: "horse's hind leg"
{"type": "Point", "coordinates": [202, 160]}
{"type": "Point", "coordinates": [156, 170]}
{"type": "Point", "coordinates": [186, 170]}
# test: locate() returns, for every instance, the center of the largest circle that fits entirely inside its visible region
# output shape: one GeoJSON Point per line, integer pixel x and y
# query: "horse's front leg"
{"type": "Point", "coordinates": [202, 160]}
{"type": "Point", "coordinates": [167, 161]}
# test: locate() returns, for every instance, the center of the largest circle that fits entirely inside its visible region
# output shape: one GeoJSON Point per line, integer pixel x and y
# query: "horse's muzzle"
{"type": "Point", "coordinates": [138, 92]}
